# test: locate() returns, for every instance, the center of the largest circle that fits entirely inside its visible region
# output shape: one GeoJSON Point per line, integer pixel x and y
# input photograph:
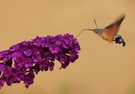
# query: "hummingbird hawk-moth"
{"type": "Point", "coordinates": [109, 33]}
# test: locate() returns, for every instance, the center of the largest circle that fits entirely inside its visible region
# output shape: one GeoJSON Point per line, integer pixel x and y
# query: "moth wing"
{"type": "Point", "coordinates": [112, 29]}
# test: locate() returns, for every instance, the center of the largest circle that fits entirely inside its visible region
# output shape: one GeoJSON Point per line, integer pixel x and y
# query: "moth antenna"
{"type": "Point", "coordinates": [95, 23]}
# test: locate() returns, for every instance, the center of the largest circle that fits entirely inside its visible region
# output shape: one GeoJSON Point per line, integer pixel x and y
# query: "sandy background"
{"type": "Point", "coordinates": [102, 68]}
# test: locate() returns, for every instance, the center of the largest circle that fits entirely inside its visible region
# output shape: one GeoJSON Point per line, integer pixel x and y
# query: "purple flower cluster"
{"type": "Point", "coordinates": [23, 60]}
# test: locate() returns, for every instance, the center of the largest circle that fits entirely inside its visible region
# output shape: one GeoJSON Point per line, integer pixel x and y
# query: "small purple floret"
{"type": "Point", "coordinates": [23, 60]}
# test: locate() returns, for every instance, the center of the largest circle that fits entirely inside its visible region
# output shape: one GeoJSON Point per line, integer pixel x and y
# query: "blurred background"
{"type": "Point", "coordinates": [102, 67]}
